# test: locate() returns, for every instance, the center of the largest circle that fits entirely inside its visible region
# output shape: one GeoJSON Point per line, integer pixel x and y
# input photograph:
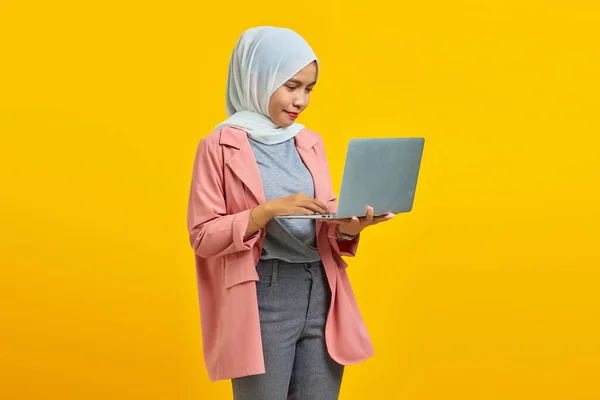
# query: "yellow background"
{"type": "Point", "coordinates": [487, 290]}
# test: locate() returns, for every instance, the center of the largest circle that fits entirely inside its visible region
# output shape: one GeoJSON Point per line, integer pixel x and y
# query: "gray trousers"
{"type": "Point", "coordinates": [293, 301]}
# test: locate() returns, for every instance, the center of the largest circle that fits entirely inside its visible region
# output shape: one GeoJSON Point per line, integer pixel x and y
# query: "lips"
{"type": "Point", "coordinates": [293, 115]}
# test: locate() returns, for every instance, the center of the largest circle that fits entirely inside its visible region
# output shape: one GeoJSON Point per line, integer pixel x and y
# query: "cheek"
{"type": "Point", "coordinates": [280, 101]}
{"type": "Point", "coordinates": [275, 102]}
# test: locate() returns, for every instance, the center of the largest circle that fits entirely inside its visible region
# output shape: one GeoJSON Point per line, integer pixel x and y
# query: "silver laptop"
{"type": "Point", "coordinates": [380, 172]}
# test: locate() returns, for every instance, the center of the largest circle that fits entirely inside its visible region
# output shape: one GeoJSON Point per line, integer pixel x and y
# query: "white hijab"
{"type": "Point", "coordinates": [263, 59]}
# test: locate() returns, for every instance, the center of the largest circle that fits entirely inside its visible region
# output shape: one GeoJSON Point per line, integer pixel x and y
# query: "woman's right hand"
{"type": "Point", "coordinates": [298, 203]}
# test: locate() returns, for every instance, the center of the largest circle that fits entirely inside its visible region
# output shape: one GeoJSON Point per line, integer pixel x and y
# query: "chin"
{"type": "Point", "coordinates": [284, 124]}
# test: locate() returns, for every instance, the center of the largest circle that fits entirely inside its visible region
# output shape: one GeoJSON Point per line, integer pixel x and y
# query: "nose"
{"type": "Point", "coordinates": [300, 100]}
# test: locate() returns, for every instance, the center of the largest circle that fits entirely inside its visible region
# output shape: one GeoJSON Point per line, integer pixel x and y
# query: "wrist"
{"type": "Point", "coordinates": [260, 215]}
{"type": "Point", "coordinates": [345, 235]}
{"type": "Point", "coordinates": [267, 211]}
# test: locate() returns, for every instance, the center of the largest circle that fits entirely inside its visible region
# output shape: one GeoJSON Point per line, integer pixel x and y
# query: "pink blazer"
{"type": "Point", "coordinates": [226, 184]}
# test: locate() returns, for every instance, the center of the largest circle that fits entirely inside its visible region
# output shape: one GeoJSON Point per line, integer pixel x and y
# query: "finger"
{"type": "Point", "coordinates": [306, 198]}
{"type": "Point", "coordinates": [383, 218]}
{"type": "Point", "coordinates": [340, 221]}
{"type": "Point", "coordinates": [321, 206]}
{"type": "Point", "coordinates": [369, 217]}
{"type": "Point", "coordinates": [318, 206]}
{"type": "Point", "coordinates": [303, 210]}
{"type": "Point", "coordinates": [311, 205]}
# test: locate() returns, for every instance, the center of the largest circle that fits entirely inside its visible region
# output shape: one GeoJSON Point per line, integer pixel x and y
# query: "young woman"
{"type": "Point", "coordinates": [278, 313]}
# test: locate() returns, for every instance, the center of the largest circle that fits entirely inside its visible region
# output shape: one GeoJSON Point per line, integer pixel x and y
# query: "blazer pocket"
{"type": "Point", "coordinates": [239, 268]}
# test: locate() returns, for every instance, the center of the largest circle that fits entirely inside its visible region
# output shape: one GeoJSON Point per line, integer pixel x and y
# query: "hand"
{"type": "Point", "coordinates": [353, 226]}
{"type": "Point", "coordinates": [298, 203]}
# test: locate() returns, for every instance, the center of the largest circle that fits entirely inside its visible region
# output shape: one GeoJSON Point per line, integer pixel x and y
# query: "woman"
{"type": "Point", "coordinates": [278, 314]}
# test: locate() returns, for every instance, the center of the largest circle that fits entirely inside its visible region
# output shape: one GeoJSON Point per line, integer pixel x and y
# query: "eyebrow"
{"type": "Point", "coordinates": [297, 82]}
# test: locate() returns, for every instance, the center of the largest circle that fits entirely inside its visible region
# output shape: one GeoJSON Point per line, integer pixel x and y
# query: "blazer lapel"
{"type": "Point", "coordinates": [317, 168]}
{"type": "Point", "coordinates": [306, 143]}
{"type": "Point", "coordinates": [242, 163]}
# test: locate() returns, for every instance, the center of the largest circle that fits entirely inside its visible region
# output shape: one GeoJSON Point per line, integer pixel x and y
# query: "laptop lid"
{"type": "Point", "coordinates": [382, 173]}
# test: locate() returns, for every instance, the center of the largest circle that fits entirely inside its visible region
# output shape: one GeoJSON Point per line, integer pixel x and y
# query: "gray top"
{"type": "Point", "coordinates": [283, 173]}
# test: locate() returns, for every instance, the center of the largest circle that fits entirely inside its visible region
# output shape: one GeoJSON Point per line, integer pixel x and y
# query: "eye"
{"type": "Point", "coordinates": [309, 89]}
{"type": "Point", "coordinates": [290, 88]}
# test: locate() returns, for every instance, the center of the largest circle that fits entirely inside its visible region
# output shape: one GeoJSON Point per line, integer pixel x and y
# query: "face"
{"type": "Point", "coordinates": [291, 98]}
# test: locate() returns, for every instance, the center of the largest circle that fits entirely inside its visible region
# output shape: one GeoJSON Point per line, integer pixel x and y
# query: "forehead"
{"type": "Point", "coordinates": [307, 75]}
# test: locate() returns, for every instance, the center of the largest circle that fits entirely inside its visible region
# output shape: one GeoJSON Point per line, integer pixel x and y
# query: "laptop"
{"type": "Point", "coordinates": [380, 172]}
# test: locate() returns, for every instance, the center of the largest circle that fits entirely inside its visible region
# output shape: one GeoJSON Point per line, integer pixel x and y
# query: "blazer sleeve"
{"type": "Point", "coordinates": [213, 232]}
{"type": "Point", "coordinates": [346, 248]}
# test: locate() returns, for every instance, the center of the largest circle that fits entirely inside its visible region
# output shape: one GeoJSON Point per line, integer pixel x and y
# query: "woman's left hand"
{"type": "Point", "coordinates": [353, 226]}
